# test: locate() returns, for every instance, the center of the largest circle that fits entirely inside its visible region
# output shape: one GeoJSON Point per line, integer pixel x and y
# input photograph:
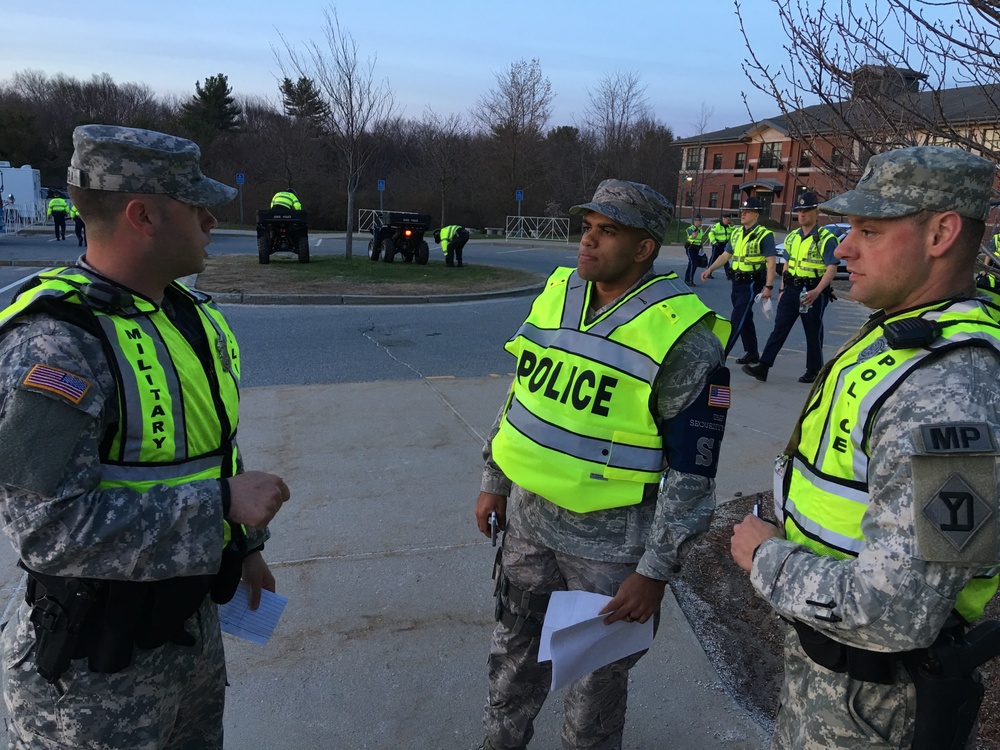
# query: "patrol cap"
{"type": "Point", "coordinates": [697, 217]}
{"type": "Point", "coordinates": [752, 204]}
{"type": "Point", "coordinates": [806, 200]}
{"type": "Point", "coordinates": [132, 160]}
{"type": "Point", "coordinates": [907, 180]}
{"type": "Point", "coordinates": [632, 204]}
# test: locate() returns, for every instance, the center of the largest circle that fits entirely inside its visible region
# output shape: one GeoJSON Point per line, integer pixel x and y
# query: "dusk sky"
{"type": "Point", "coordinates": [441, 55]}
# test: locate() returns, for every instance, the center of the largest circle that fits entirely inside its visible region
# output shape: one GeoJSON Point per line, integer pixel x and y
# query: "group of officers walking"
{"type": "Point", "coordinates": [127, 500]}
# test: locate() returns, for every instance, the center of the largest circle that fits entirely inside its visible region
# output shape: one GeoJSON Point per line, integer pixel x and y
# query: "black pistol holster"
{"type": "Point", "coordinates": [948, 691]}
{"type": "Point", "coordinates": [947, 688]}
{"type": "Point", "coordinates": [60, 618]}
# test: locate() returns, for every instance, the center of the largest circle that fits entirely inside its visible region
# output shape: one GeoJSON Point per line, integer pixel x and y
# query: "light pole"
{"type": "Point", "coordinates": [681, 185]}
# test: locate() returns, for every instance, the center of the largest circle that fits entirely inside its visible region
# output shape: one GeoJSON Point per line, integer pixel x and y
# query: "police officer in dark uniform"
{"type": "Point", "coordinates": [751, 249]}
{"type": "Point", "coordinates": [805, 290]}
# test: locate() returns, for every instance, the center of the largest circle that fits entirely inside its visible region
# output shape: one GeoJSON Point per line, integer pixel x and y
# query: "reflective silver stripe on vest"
{"type": "Point", "coordinates": [831, 486]}
{"type": "Point", "coordinates": [132, 449]}
{"type": "Point", "coordinates": [581, 446]}
{"type": "Point", "coordinates": [621, 357]}
{"type": "Point", "coordinates": [827, 537]}
{"type": "Point", "coordinates": [576, 298]}
{"type": "Point", "coordinates": [160, 472]}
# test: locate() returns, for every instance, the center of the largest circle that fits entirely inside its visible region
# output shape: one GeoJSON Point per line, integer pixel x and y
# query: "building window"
{"type": "Point", "coordinates": [734, 198]}
{"type": "Point", "coordinates": [713, 200]}
{"type": "Point", "coordinates": [837, 158]}
{"type": "Point", "coordinates": [831, 194]}
{"type": "Point", "coordinates": [694, 158]}
{"type": "Point", "coordinates": [991, 139]}
{"type": "Point", "coordinates": [770, 155]}
{"type": "Point", "coordinates": [741, 160]}
{"type": "Point", "coordinates": [805, 159]}
{"type": "Point", "coordinates": [716, 161]}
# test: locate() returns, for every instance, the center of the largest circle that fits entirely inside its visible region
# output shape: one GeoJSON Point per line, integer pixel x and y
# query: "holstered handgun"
{"type": "Point", "coordinates": [59, 619]}
{"type": "Point", "coordinates": [948, 692]}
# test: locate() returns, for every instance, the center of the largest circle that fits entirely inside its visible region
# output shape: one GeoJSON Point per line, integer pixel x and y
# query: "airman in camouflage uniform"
{"type": "Point", "coordinates": [61, 401]}
{"type": "Point", "coordinates": [627, 552]}
{"type": "Point", "coordinates": [887, 542]}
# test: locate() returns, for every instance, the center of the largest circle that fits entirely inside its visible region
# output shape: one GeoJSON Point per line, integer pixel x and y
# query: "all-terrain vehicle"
{"type": "Point", "coordinates": [282, 230]}
{"type": "Point", "coordinates": [399, 232]}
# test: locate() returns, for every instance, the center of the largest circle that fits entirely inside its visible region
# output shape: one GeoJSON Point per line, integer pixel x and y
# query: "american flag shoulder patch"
{"type": "Point", "coordinates": [719, 396]}
{"type": "Point", "coordinates": [54, 380]}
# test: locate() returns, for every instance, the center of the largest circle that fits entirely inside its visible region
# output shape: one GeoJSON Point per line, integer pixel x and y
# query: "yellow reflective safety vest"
{"type": "Point", "coordinates": [286, 200]}
{"type": "Point", "coordinates": [178, 405]}
{"type": "Point", "coordinates": [826, 490]}
{"type": "Point", "coordinates": [578, 428]}
{"type": "Point", "coordinates": [805, 254]}
{"type": "Point", "coordinates": [697, 235]}
{"type": "Point", "coordinates": [747, 254]}
{"type": "Point", "coordinates": [57, 204]}
{"type": "Point", "coordinates": [720, 233]}
{"type": "Point", "coordinates": [447, 235]}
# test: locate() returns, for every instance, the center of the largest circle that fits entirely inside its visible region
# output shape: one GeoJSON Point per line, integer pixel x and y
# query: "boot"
{"type": "Point", "coordinates": [809, 377]}
{"type": "Point", "coordinates": [749, 359]}
{"type": "Point", "coordinates": [758, 371]}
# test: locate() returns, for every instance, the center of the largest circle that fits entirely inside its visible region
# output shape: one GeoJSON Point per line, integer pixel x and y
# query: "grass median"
{"type": "Point", "coordinates": [329, 274]}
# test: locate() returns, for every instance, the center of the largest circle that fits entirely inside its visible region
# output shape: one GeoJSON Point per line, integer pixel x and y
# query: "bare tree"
{"type": "Point", "coordinates": [360, 106]}
{"type": "Point", "coordinates": [515, 114]}
{"type": "Point", "coordinates": [616, 107]}
{"type": "Point", "coordinates": [866, 65]}
{"type": "Point", "coordinates": [443, 143]}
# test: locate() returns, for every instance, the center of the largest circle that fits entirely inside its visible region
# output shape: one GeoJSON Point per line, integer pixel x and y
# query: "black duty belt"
{"type": "Point", "coordinates": [800, 282]}
{"type": "Point", "coordinates": [744, 277]}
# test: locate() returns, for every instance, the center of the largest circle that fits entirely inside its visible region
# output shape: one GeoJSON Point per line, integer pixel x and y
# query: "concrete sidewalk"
{"type": "Point", "coordinates": [384, 640]}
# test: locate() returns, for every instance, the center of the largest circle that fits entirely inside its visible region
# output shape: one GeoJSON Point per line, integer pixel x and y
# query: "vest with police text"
{"type": "Point", "coordinates": [578, 428]}
{"type": "Point", "coordinates": [828, 493]}
{"type": "Point", "coordinates": [805, 254]}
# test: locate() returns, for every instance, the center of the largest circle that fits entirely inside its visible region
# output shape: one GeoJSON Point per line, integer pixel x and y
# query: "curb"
{"type": "Point", "coordinates": [325, 299]}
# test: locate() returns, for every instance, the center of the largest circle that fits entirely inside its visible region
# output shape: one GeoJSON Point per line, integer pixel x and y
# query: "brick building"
{"type": "Point", "coordinates": [765, 160]}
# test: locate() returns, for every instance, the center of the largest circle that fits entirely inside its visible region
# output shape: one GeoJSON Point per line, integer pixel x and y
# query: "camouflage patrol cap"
{"type": "Point", "coordinates": [132, 160]}
{"type": "Point", "coordinates": [907, 180]}
{"type": "Point", "coordinates": [632, 204]}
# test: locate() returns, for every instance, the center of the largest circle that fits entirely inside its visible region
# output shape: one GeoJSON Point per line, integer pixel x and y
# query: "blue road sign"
{"type": "Point", "coordinates": [520, 195]}
{"type": "Point", "coordinates": [381, 185]}
{"type": "Point", "coordinates": [240, 178]}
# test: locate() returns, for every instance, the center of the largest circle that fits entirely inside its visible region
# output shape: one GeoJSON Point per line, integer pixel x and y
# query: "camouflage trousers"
{"type": "Point", "coordinates": [171, 697]}
{"type": "Point", "coordinates": [594, 708]}
{"type": "Point", "coordinates": [824, 710]}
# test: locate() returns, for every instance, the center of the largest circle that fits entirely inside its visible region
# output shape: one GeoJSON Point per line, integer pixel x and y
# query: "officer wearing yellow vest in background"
{"type": "Point", "coordinates": [79, 227]}
{"type": "Point", "coordinates": [620, 377]}
{"type": "Point", "coordinates": [58, 209]}
{"type": "Point", "coordinates": [805, 290]}
{"type": "Point", "coordinates": [719, 236]}
{"type": "Point", "coordinates": [696, 236]}
{"type": "Point", "coordinates": [452, 239]}
{"type": "Point", "coordinates": [286, 199]}
{"type": "Point", "coordinates": [887, 543]}
{"type": "Point", "coordinates": [751, 250]}
{"type": "Point", "coordinates": [137, 516]}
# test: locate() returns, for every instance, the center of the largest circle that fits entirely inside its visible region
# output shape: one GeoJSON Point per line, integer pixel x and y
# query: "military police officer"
{"type": "Point", "coordinates": [751, 248]}
{"type": "Point", "coordinates": [58, 209]}
{"type": "Point", "coordinates": [719, 236]}
{"type": "Point", "coordinates": [123, 490]}
{"type": "Point", "coordinates": [286, 199]}
{"type": "Point", "coordinates": [452, 239]}
{"type": "Point", "coordinates": [887, 545]}
{"type": "Point", "coordinates": [619, 376]}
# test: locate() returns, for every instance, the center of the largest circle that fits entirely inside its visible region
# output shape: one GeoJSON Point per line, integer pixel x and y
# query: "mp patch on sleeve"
{"type": "Point", "coordinates": [60, 382]}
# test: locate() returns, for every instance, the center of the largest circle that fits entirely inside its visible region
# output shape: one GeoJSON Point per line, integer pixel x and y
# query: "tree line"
{"type": "Point", "coordinates": [333, 130]}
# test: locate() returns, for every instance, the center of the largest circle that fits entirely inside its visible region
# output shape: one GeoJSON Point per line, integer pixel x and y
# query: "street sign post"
{"type": "Point", "coordinates": [240, 179]}
{"type": "Point", "coordinates": [520, 197]}
{"type": "Point", "coordinates": [381, 190]}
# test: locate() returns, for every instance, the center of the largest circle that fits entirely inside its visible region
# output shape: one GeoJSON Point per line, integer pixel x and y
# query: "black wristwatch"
{"type": "Point", "coordinates": [769, 286]}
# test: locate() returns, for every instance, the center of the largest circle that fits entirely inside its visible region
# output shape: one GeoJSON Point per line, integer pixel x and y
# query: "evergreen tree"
{"type": "Point", "coordinates": [212, 110]}
{"type": "Point", "coordinates": [303, 101]}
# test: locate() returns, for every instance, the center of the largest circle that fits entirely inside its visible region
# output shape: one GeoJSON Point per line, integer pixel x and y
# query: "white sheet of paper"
{"type": "Point", "coordinates": [255, 625]}
{"type": "Point", "coordinates": [576, 640]}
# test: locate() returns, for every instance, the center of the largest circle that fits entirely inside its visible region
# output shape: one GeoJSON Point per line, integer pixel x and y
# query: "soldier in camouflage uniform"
{"type": "Point", "coordinates": [578, 519]}
{"type": "Point", "coordinates": [120, 499]}
{"type": "Point", "coordinates": [887, 545]}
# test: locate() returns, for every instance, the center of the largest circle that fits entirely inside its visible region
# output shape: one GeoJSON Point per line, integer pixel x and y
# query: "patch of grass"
{"type": "Point", "coordinates": [328, 274]}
